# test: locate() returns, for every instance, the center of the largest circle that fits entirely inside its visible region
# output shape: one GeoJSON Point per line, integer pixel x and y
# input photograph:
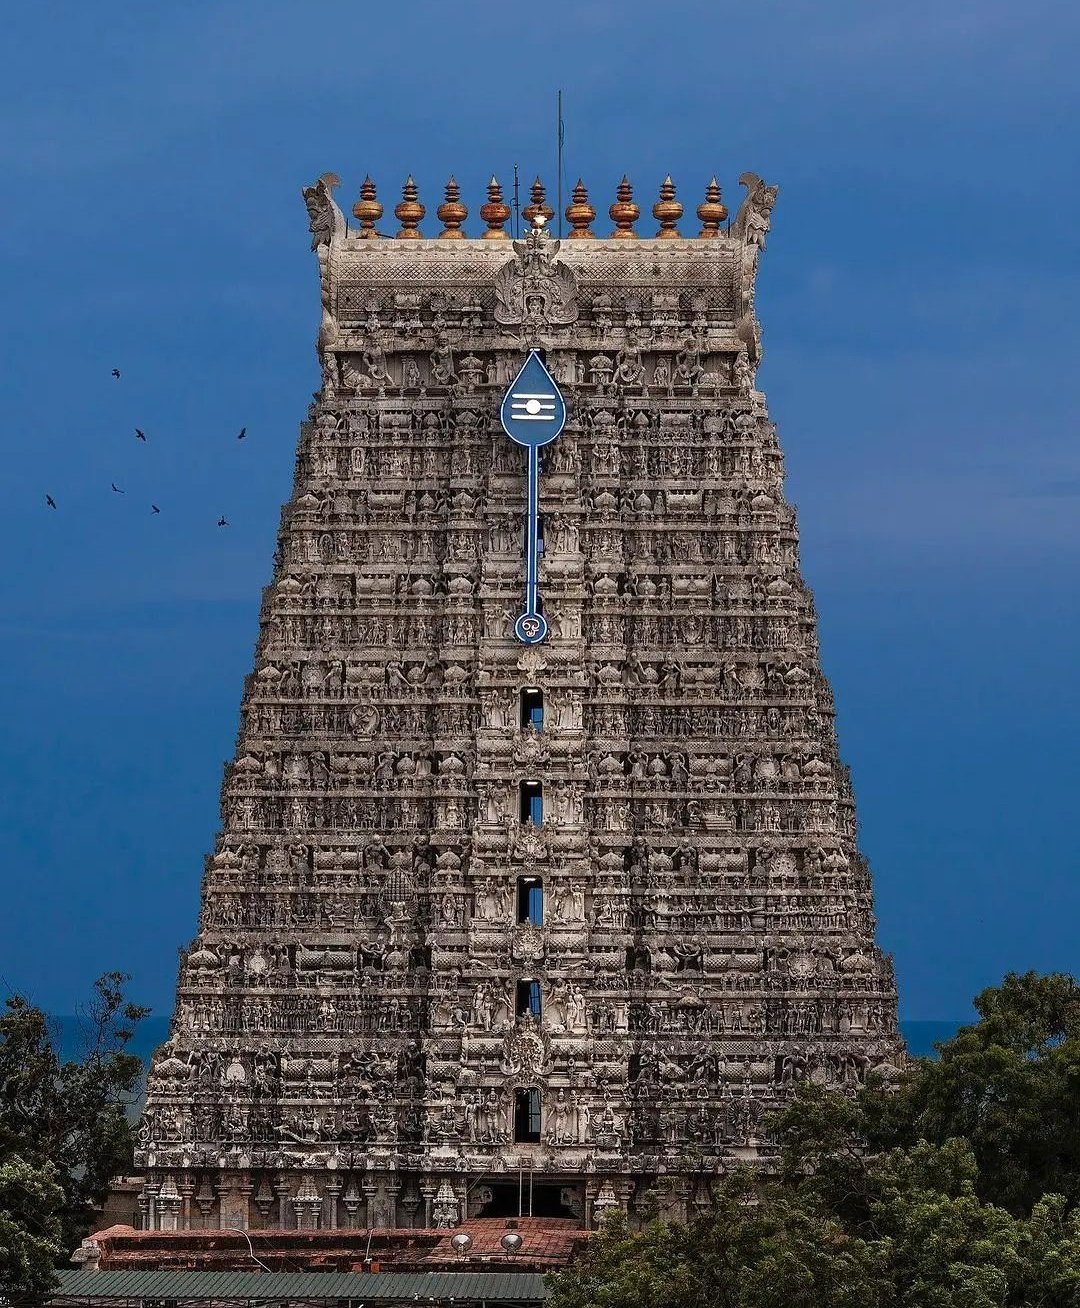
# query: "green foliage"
{"type": "Point", "coordinates": [959, 1188]}
{"type": "Point", "coordinates": [780, 1253]}
{"type": "Point", "coordinates": [66, 1122]}
{"type": "Point", "coordinates": [1010, 1085]}
{"type": "Point", "coordinates": [31, 1239]}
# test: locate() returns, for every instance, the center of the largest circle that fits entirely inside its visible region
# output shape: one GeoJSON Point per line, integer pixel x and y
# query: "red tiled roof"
{"type": "Point", "coordinates": [547, 1243]}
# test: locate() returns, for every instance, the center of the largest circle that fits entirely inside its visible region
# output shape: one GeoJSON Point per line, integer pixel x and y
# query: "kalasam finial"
{"type": "Point", "coordinates": [367, 210]}
{"type": "Point", "coordinates": [579, 214]}
{"type": "Point", "coordinates": [712, 211]}
{"type": "Point", "coordinates": [667, 210]}
{"type": "Point", "coordinates": [539, 206]}
{"type": "Point", "coordinates": [452, 213]}
{"type": "Point", "coordinates": [624, 213]}
{"type": "Point", "coordinates": [495, 212]}
{"type": "Point", "coordinates": [409, 212]}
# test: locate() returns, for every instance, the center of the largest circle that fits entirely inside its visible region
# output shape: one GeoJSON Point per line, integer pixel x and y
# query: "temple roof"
{"type": "Point", "coordinates": [295, 1287]}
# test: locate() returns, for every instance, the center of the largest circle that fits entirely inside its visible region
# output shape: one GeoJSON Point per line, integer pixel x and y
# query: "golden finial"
{"type": "Point", "coordinates": [408, 212]}
{"type": "Point", "coordinates": [367, 209]}
{"type": "Point", "coordinates": [712, 211]}
{"type": "Point", "coordinates": [452, 213]}
{"type": "Point", "coordinates": [624, 213]}
{"type": "Point", "coordinates": [579, 214]}
{"type": "Point", "coordinates": [667, 211]}
{"type": "Point", "coordinates": [494, 212]}
{"type": "Point", "coordinates": [539, 205]}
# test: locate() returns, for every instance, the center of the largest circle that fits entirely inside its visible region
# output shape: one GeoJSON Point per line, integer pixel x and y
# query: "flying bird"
{"type": "Point", "coordinates": [50, 501]}
{"type": "Point", "coordinates": [241, 434]}
{"type": "Point", "coordinates": [221, 521]}
{"type": "Point", "coordinates": [116, 373]}
{"type": "Point", "coordinates": [117, 489]}
{"type": "Point", "coordinates": [139, 435]}
{"type": "Point", "coordinates": [154, 508]}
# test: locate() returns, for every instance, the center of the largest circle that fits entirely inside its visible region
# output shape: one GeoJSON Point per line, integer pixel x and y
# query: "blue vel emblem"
{"type": "Point", "coordinates": [533, 413]}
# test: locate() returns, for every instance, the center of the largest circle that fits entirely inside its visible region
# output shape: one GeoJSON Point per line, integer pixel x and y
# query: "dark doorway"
{"type": "Point", "coordinates": [532, 708]}
{"type": "Point", "coordinates": [531, 809]}
{"type": "Point", "coordinates": [528, 999]}
{"type": "Point", "coordinates": [530, 904]}
{"type": "Point", "coordinates": [546, 1199]}
{"type": "Point", "coordinates": [527, 1116]}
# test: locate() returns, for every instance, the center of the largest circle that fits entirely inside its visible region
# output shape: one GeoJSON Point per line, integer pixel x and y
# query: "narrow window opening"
{"type": "Point", "coordinates": [532, 802]}
{"type": "Point", "coordinates": [530, 901]}
{"type": "Point", "coordinates": [539, 533]}
{"type": "Point", "coordinates": [529, 1003]}
{"type": "Point", "coordinates": [527, 1121]}
{"type": "Point", "coordinates": [532, 708]}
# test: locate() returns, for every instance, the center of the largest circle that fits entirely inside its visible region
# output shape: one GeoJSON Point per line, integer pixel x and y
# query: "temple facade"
{"type": "Point", "coordinates": [537, 887]}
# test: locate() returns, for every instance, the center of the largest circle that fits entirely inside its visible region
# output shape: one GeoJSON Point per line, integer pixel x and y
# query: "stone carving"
{"type": "Point", "coordinates": [534, 288]}
{"type": "Point", "coordinates": [392, 955]}
{"type": "Point", "coordinates": [325, 219]}
{"type": "Point", "coordinates": [752, 221]}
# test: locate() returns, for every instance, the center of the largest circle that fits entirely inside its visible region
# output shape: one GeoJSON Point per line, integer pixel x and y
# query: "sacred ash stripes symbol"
{"type": "Point", "coordinates": [532, 406]}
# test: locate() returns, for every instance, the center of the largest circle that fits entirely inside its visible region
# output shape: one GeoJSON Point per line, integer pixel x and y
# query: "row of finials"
{"type": "Point", "coordinates": [580, 214]}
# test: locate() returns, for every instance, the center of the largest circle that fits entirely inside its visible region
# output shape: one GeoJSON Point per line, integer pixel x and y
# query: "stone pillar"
{"type": "Point", "coordinates": [234, 1194]}
{"type": "Point", "coordinates": [205, 1199]}
{"type": "Point", "coordinates": [308, 1205]}
{"type": "Point", "coordinates": [168, 1206]}
{"type": "Point", "coordinates": [624, 1191]}
{"type": "Point", "coordinates": [604, 1203]}
{"type": "Point", "coordinates": [264, 1201]}
{"type": "Point", "coordinates": [187, 1192]}
{"type": "Point", "coordinates": [351, 1200]}
{"type": "Point", "coordinates": [383, 1211]}
{"type": "Point", "coordinates": [281, 1189]}
{"type": "Point", "coordinates": [150, 1190]}
{"type": "Point", "coordinates": [333, 1190]}
{"type": "Point", "coordinates": [427, 1189]}
{"type": "Point", "coordinates": [370, 1188]}
{"type": "Point", "coordinates": [446, 1211]}
{"type": "Point", "coordinates": [680, 1199]}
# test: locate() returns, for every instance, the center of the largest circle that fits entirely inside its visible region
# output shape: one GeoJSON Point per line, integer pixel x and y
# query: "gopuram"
{"type": "Point", "coordinates": [537, 886]}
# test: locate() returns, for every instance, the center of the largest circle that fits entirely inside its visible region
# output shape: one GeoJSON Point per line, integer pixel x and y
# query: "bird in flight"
{"type": "Point", "coordinates": [241, 434]}
{"type": "Point", "coordinates": [221, 521]}
{"type": "Point", "coordinates": [154, 508]}
{"type": "Point", "coordinates": [116, 373]}
{"type": "Point", "coordinates": [139, 435]}
{"type": "Point", "coordinates": [117, 489]}
{"type": "Point", "coordinates": [50, 501]}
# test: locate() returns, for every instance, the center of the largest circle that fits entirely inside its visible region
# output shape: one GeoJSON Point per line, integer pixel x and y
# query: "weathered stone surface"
{"type": "Point", "coordinates": [347, 1049]}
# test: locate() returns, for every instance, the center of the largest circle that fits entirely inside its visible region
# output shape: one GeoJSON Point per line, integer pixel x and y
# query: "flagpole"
{"type": "Point", "coordinates": [559, 149]}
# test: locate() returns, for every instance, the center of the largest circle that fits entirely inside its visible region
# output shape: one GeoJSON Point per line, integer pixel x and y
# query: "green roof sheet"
{"type": "Point", "coordinates": [523, 1287]}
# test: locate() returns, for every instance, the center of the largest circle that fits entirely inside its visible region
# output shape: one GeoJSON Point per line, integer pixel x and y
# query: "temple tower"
{"type": "Point", "coordinates": [504, 915]}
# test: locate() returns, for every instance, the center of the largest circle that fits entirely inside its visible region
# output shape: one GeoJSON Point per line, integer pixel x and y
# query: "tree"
{"type": "Point", "coordinates": [836, 1228]}
{"type": "Point", "coordinates": [1009, 1084]}
{"type": "Point", "coordinates": [31, 1238]}
{"type": "Point", "coordinates": [957, 1187]}
{"type": "Point", "coordinates": [751, 1250]}
{"type": "Point", "coordinates": [66, 1121]}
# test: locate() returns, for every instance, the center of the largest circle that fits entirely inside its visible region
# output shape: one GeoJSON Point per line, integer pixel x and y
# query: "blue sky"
{"type": "Point", "coordinates": [919, 301]}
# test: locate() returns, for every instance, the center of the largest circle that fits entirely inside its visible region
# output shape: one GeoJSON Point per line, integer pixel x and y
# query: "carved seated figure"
{"type": "Point", "coordinates": [629, 369]}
